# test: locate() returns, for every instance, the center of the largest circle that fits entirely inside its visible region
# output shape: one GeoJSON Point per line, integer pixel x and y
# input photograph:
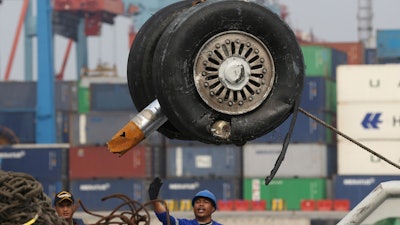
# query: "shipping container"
{"type": "Point", "coordinates": [21, 123]}
{"type": "Point", "coordinates": [388, 44]}
{"type": "Point", "coordinates": [370, 56]}
{"type": "Point", "coordinates": [96, 128]}
{"type": "Point", "coordinates": [319, 93]}
{"type": "Point", "coordinates": [368, 83]}
{"type": "Point", "coordinates": [66, 96]}
{"type": "Point", "coordinates": [111, 97]}
{"type": "Point", "coordinates": [301, 160]}
{"type": "Point", "coordinates": [85, 82]}
{"type": "Point", "coordinates": [370, 121]}
{"type": "Point", "coordinates": [23, 97]}
{"type": "Point", "coordinates": [389, 61]}
{"type": "Point", "coordinates": [203, 161]}
{"type": "Point", "coordinates": [91, 192]}
{"type": "Point", "coordinates": [40, 161]}
{"type": "Point", "coordinates": [354, 160]}
{"type": "Point", "coordinates": [322, 61]}
{"type": "Point", "coordinates": [98, 162]}
{"type": "Point", "coordinates": [306, 130]}
{"type": "Point", "coordinates": [83, 99]}
{"type": "Point", "coordinates": [354, 50]}
{"type": "Point", "coordinates": [356, 188]}
{"type": "Point", "coordinates": [180, 189]}
{"type": "Point", "coordinates": [52, 186]}
{"type": "Point", "coordinates": [62, 126]}
{"type": "Point", "coordinates": [289, 191]}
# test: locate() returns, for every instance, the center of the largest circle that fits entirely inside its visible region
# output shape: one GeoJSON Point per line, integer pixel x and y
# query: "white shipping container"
{"type": "Point", "coordinates": [301, 160]}
{"type": "Point", "coordinates": [369, 121]}
{"type": "Point", "coordinates": [354, 160]}
{"type": "Point", "coordinates": [368, 83]}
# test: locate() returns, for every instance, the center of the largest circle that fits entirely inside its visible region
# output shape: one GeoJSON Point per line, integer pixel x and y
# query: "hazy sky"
{"type": "Point", "coordinates": [329, 20]}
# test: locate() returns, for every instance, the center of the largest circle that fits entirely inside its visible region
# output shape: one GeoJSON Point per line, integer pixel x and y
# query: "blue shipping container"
{"type": "Point", "coordinates": [203, 161]}
{"type": "Point", "coordinates": [19, 96]}
{"type": "Point", "coordinates": [22, 124]}
{"type": "Point", "coordinates": [388, 44]}
{"type": "Point", "coordinates": [306, 130]}
{"type": "Point", "coordinates": [179, 189]}
{"type": "Point", "coordinates": [90, 192]}
{"type": "Point", "coordinates": [66, 96]}
{"type": "Point", "coordinates": [370, 56]}
{"type": "Point", "coordinates": [22, 96]}
{"type": "Point", "coordinates": [318, 93]}
{"type": "Point", "coordinates": [110, 97]}
{"type": "Point", "coordinates": [355, 188]}
{"type": "Point", "coordinates": [52, 187]}
{"type": "Point", "coordinates": [39, 161]}
{"type": "Point", "coordinates": [96, 128]}
{"type": "Point", "coordinates": [338, 58]}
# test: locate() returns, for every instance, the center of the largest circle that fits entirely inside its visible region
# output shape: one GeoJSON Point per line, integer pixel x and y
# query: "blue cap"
{"type": "Point", "coordinates": [206, 194]}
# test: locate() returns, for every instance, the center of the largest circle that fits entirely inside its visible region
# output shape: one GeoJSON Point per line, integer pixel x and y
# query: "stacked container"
{"type": "Point", "coordinates": [388, 46]}
{"type": "Point", "coordinates": [368, 111]}
{"type": "Point", "coordinates": [47, 163]}
{"type": "Point", "coordinates": [194, 166]}
{"type": "Point", "coordinates": [105, 106]}
{"type": "Point", "coordinates": [95, 173]}
{"type": "Point", "coordinates": [18, 110]}
{"type": "Point", "coordinates": [311, 155]}
{"type": "Point", "coordinates": [354, 50]}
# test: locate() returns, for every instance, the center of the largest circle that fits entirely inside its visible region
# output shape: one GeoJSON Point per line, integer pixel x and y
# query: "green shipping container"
{"type": "Point", "coordinates": [291, 190]}
{"type": "Point", "coordinates": [83, 99]}
{"type": "Point", "coordinates": [318, 60]}
{"type": "Point", "coordinates": [331, 96]}
{"type": "Point", "coordinates": [322, 61]}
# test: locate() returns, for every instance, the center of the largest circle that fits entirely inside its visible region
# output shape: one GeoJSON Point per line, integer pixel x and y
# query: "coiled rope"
{"type": "Point", "coordinates": [22, 201]}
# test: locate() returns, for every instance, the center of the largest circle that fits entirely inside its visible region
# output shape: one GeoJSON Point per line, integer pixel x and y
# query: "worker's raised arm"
{"type": "Point", "coordinates": [154, 190]}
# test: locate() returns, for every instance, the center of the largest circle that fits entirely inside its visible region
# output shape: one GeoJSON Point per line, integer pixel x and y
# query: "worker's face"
{"type": "Point", "coordinates": [203, 209]}
{"type": "Point", "coordinates": [65, 209]}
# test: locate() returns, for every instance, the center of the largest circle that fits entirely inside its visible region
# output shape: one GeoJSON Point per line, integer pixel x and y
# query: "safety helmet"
{"type": "Point", "coordinates": [206, 194]}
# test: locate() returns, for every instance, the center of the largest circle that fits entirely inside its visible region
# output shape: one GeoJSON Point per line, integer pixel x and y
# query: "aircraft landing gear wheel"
{"type": "Point", "coordinates": [227, 71]}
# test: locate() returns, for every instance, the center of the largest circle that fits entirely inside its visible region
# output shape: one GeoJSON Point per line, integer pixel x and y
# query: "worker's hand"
{"type": "Point", "coordinates": [154, 188]}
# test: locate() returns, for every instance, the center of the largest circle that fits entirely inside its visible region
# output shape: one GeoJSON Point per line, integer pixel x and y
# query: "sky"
{"type": "Point", "coordinates": [328, 20]}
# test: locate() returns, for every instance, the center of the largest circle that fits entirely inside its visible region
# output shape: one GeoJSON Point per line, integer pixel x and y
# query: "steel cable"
{"type": "Point", "coordinates": [347, 137]}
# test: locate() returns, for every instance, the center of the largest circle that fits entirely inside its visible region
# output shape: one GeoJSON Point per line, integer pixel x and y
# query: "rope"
{"type": "Point", "coordinates": [131, 217]}
{"type": "Point", "coordinates": [22, 201]}
{"type": "Point", "coordinates": [285, 144]}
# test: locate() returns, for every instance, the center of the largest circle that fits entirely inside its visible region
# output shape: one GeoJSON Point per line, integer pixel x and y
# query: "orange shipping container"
{"type": "Point", "coordinates": [97, 162]}
{"type": "Point", "coordinates": [354, 50]}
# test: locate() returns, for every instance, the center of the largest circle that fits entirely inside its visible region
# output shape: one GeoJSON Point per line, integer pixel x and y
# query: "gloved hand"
{"type": "Point", "coordinates": [154, 188]}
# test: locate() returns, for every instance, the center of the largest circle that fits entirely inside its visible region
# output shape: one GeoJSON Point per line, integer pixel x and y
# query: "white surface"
{"type": "Point", "coordinates": [301, 160]}
{"type": "Point", "coordinates": [350, 117]}
{"type": "Point", "coordinates": [368, 83]}
{"type": "Point", "coordinates": [354, 160]}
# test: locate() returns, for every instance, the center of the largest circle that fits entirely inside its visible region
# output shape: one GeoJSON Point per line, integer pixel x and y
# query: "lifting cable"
{"type": "Point", "coordinates": [348, 138]}
{"type": "Point", "coordinates": [285, 145]}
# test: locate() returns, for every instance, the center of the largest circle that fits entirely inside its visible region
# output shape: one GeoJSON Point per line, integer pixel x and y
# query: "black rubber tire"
{"type": "Point", "coordinates": [139, 69]}
{"type": "Point", "coordinates": [173, 69]}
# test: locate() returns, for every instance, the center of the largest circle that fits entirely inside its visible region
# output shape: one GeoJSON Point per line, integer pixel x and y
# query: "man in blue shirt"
{"type": "Point", "coordinates": [204, 205]}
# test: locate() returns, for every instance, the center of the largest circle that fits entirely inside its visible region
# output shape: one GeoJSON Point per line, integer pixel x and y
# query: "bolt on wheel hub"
{"type": "Point", "coordinates": [234, 72]}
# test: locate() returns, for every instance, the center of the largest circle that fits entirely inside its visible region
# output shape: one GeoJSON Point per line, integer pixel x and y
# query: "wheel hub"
{"type": "Point", "coordinates": [234, 72]}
